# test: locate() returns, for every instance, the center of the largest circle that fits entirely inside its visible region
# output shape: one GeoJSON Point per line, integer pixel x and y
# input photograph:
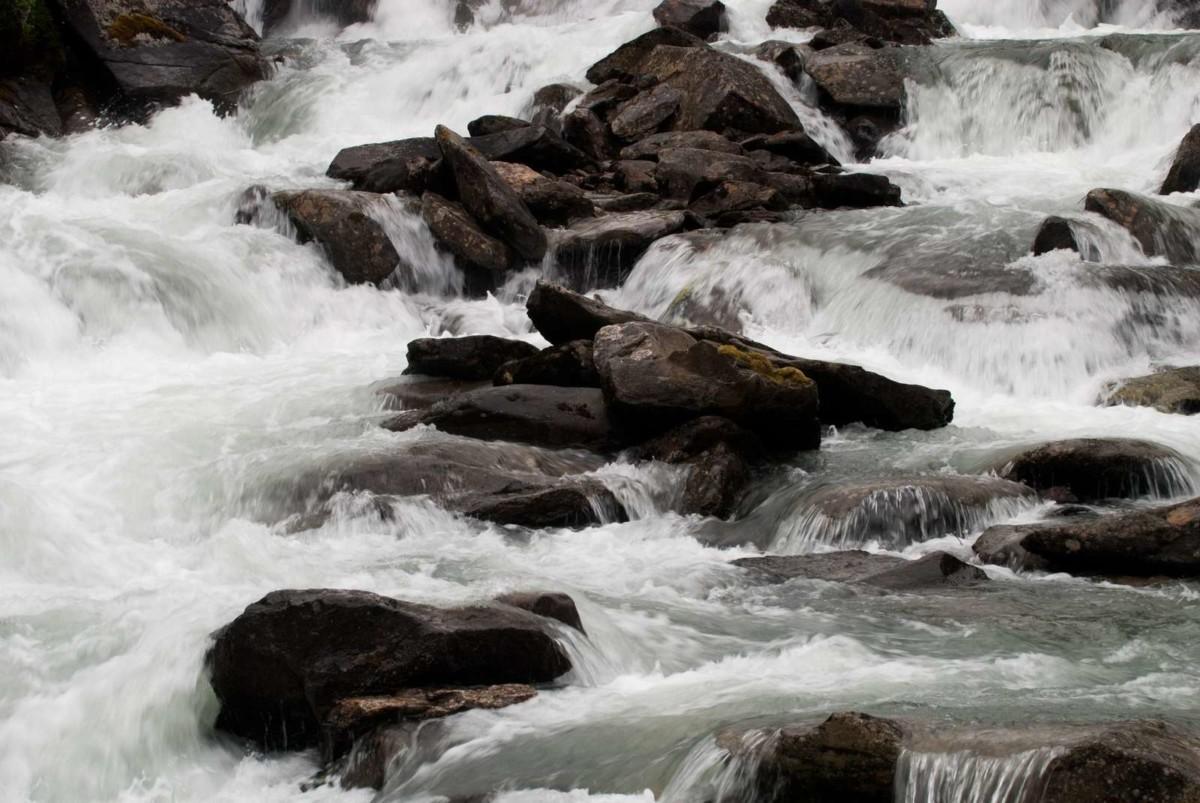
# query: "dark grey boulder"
{"type": "Point", "coordinates": [458, 232]}
{"type": "Point", "coordinates": [1184, 175]}
{"type": "Point", "coordinates": [552, 202]}
{"type": "Point", "coordinates": [601, 251]}
{"type": "Point", "coordinates": [494, 124]}
{"type": "Point", "coordinates": [625, 63]}
{"type": "Point", "coordinates": [345, 224]}
{"type": "Point", "coordinates": [1161, 229]}
{"type": "Point", "coordinates": [645, 114]}
{"type": "Point", "coordinates": [568, 504]}
{"type": "Point", "coordinates": [854, 191]}
{"type": "Point", "coordinates": [795, 146]}
{"type": "Point", "coordinates": [566, 365]}
{"type": "Point", "coordinates": [550, 604]}
{"type": "Point", "coordinates": [472, 357]}
{"type": "Point", "coordinates": [683, 172]}
{"type": "Point", "coordinates": [406, 165]}
{"type": "Point", "coordinates": [562, 315]}
{"type": "Point", "coordinates": [1095, 469]}
{"type": "Point", "coordinates": [905, 22]}
{"type": "Point", "coordinates": [534, 145]}
{"type": "Point", "coordinates": [702, 18]}
{"type": "Point", "coordinates": [858, 76]}
{"type": "Point", "coordinates": [1054, 234]}
{"type": "Point", "coordinates": [932, 571]}
{"type": "Point", "coordinates": [650, 147]}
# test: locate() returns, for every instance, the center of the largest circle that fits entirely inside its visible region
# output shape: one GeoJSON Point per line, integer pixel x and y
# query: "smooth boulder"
{"type": "Point", "coordinates": [282, 665]}
{"type": "Point", "coordinates": [1172, 390]}
{"type": "Point", "coordinates": [345, 224]}
{"type": "Point", "coordinates": [1054, 234]}
{"type": "Point", "coordinates": [1095, 469]}
{"type": "Point", "coordinates": [471, 357]}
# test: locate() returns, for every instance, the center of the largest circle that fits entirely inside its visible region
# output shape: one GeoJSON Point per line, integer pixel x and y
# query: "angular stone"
{"type": "Point", "coordinates": [472, 357]}
{"type": "Point", "coordinates": [859, 76]}
{"type": "Point", "coordinates": [561, 315]}
{"type": "Point", "coordinates": [683, 171]}
{"type": "Point", "coordinates": [1054, 234]}
{"type": "Point", "coordinates": [646, 113]}
{"type": "Point", "coordinates": [1184, 175]}
{"type": "Point", "coordinates": [550, 604]}
{"type": "Point", "coordinates": [796, 146]}
{"type": "Point", "coordinates": [341, 222]}
{"type": "Point", "coordinates": [554, 203]}
{"type": "Point", "coordinates": [601, 251]}
{"type": "Point", "coordinates": [532, 145]}
{"type": "Point", "coordinates": [625, 63]}
{"type": "Point", "coordinates": [854, 191]}
{"type": "Point", "coordinates": [935, 570]}
{"type": "Point", "coordinates": [406, 165]}
{"type": "Point", "coordinates": [1161, 229]}
{"type": "Point", "coordinates": [460, 234]}
{"type": "Point", "coordinates": [1095, 469]}
{"type": "Point", "coordinates": [567, 365]}
{"type": "Point", "coordinates": [650, 147]}
{"type": "Point", "coordinates": [702, 18]}
{"type": "Point", "coordinates": [494, 124]}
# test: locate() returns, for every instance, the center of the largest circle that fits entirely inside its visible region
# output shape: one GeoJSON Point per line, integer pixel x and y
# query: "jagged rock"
{"type": "Point", "coordinates": [1184, 175]}
{"type": "Point", "coordinates": [567, 365]}
{"type": "Point", "coordinates": [681, 171]}
{"type": "Point", "coordinates": [646, 113]}
{"type": "Point", "coordinates": [343, 12]}
{"type": "Point", "coordinates": [796, 189]}
{"type": "Point", "coordinates": [636, 175]}
{"type": "Point", "coordinates": [655, 376]}
{"type": "Point", "coordinates": [460, 234]}
{"type": "Point", "coordinates": [906, 22]}
{"type": "Point", "coordinates": [787, 56]}
{"type": "Point", "coordinates": [553, 203]}
{"type": "Point", "coordinates": [625, 202]}
{"type": "Point", "coordinates": [1162, 541]}
{"type": "Point", "coordinates": [650, 147]}
{"type": "Point", "coordinates": [342, 223]}
{"type": "Point", "coordinates": [1174, 390]}
{"type": "Point", "coordinates": [281, 666]}
{"type": "Point", "coordinates": [561, 315]}
{"type": "Point", "coordinates": [1161, 229]}
{"type": "Point", "coordinates": [533, 145]}
{"type": "Point", "coordinates": [584, 129]}
{"type": "Point", "coordinates": [472, 357]}
{"type": "Point", "coordinates": [737, 196]}
{"type": "Point", "coordinates": [607, 97]}
{"type": "Point", "coordinates": [27, 108]}
{"type": "Point", "coordinates": [854, 190]}
{"type": "Point", "coordinates": [796, 146]}
{"type": "Point", "coordinates": [601, 251]}
{"type": "Point", "coordinates": [555, 97]}
{"type": "Point", "coordinates": [856, 75]}
{"type": "Point", "coordinates": [406, 165]}
{"type": "Point", "coordinates": [694, 438]}
{"type": "Point", "coordinates": [702, 18]}
{"type": "Point", "coordinates": [541, 415]}
{"type": "Point", "coordinates": [550, 604]}
{"type": "Point", "coordinates": [1055, 233]}
{"type": "Point", "coordinates": [159, 51]}
{"type": "Point", "coordinates": [494, 124]}
{"type": "Point", "coordinates": [935, 570]}
{"type": "Point", "coordinates": [1094, 469]}
{"type": "Point", "coordinates": [489, 199]}
{"type": "Point", "coordinates": [625, 63]}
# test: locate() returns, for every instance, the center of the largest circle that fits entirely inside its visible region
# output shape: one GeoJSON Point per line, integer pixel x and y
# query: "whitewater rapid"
{"type": "Point", "coordinates": [160, 367]}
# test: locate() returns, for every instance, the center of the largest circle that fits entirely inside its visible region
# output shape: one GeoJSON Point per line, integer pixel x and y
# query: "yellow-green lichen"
{"type": "Point", "coordinates": [128, 27]}
{"type": "Point", "coordinates": [761, 364]}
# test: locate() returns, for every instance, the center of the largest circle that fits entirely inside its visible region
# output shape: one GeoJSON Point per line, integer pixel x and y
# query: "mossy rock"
{"type": "Point", "coordinates": [127, 28]}
{"type": "Point", "coordinates": [29, 37]}
{"type": "Point", "coordinates": [762, 365]}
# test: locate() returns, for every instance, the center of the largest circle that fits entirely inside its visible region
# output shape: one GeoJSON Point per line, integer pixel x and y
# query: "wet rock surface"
{"type": "Point", "coordinates": [1160, 229]}
{"type": "Point", "coordinates": [1184, 175]}
{"type": "Point", "coordinates": [1172, 390]}
{"type": "Point", "coordinates": [474, 357]}
{"type": "Point", "coordinates": [1095, 469]}
{"type": "Point", "coordinates": [346, 225]}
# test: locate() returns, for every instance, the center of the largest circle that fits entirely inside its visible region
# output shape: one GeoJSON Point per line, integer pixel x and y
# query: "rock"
{"type": "Point", "coordinates": [737, 196]}
{"type": "Point", "coordinates": [406, 165]}
{"type": "Point", "coordinates": [541, 415]}
{"type": "Point", "coordinates": [354, 717]}
{"type": "Point", "coordinates": [854, 190]}
{"type": "Point", "coordinates": [625, 63]}
{"type": "Point", "coordinates": [159, 51]}
{"type": "Point", "coordinates": [796, 146]}
{"type": "Point", "coordinates": [601, 251]}
{"type": "Point", "coordinates": [719, 454]}
{"type": "Point", "coordinates": [584, 129]}
{"type": "Point", "coordinates": [1161, 229]}
{"type": "Point", "coordinates": [460, 234]}
{"type": "Point", "coordinates": [682, 172]}
{"type": "Point", "coordinates": [895, 21]}
{"type": "Point", "coordinates": [1095, 469]}
{"type": "Point", "coordinates": [344, 224]}
{"type": "Point", "coordinates": [553, 203]}
{"type": "Point", "coordinates": [494, 124]}
{"type": "Point", "coordinates": [1055, 233]}
{"type": "Point", "coordinates": [473, 357]}
{"type": "Point", "coordinates": [1162, 541]}
{"type": "Point", "coordinates": [567, 365]}
{"type": "Point", "coordinates": [574, 504]}
{"type": "Point", "coordinates": [859, 76]}
{"type": "Point", "coordinates": [694, 438]}
{"type": "Point", "coordinates": [489, 199]}
{"type": "Point", "coordinates": [787, 56]}
{"type": "Point", "coordinates": [550, 604]}
{"type": "Point", "coordinates": [343, 12]}
{"type": "Point", "coordinates": [701, 18]}
{"type": "Point", "coordinates": [935, 570]}
{"type": "Point", "coordinates": [416, 392]}
{"type": "Point", "coordinates": [625, 202]}
{"type": "Point", "coordinates": [655, 376]}
{"type": "Point", "coordinates": [646, 113]}
{"type": "Point", "coordinates": [27, 108]}
{"type": "Point", "coordinates": [650, 147]}
{"type": "Point", "coordinates": [533, 145]}
{"type": "Point", "coordinates": [607, 97]}
{"type": "Point", "coordinates": [555, 97]}
{"type": "Point", "coordinates": [636, 176]}
{"type": "Point", "coordinates": [715, 483]}
{"type": "Point", "coordinates": [1174, 390]}
{"type": "Point", "coordinates": [719, 92]}
{"type": "Point", "coordinates": [850, 394]}
{"type": "Point", "coordinates": [1184, 175]}
{"type": "Point", "coordinates": [281, 666]}
{"type": "Point", "coordinates": [561, 315]}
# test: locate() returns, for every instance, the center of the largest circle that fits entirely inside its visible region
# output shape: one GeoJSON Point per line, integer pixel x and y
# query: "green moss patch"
{"type": "Point", "coordinates": [762, 365]}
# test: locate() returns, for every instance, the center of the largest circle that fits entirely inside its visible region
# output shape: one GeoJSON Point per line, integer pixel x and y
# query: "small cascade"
{"type": "Point", "coordinates": [966, 777]}
{"type": "Point", "coordinates": [1066, 14]}
{"type": "Point", "coordinates": [712, 773]}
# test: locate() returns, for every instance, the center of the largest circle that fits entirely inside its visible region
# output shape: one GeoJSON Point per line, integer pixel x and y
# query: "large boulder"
{"type": "Point", "coordinates": [795, 146]}
{"type": "Point", "coordinates": [494, 124]}
{"type": "Point", "coordinates": [158, 51]}
{"type": "Point", "coordinates": [534, 145]}
{"type": "Point", "coordinates": [345, 223]}
{"type": "Point", "coordinates": [1184, 175]}
{"type": "Point", "coordinates": [858, 76]}
{"type": "Point", "coordinates": [471, 357]}
{"type": "Point", "coordinates": [276, 13]}
{"type": "Point", "coordinates": [625, 63]}
{"type": "Point", "coordinates": [27, 107]}
{"type": "Point", "coordinates": [561, 315]}
{"type": "Point", "coordinates": [1173, 390]}
{"type": "Point", "coordinates": [701, 18]}
{"type": "Point", "coordinates": [1161, 229]}
{"type": "Point", "coordinates": [601, 251]}
{"type": "Point", "coordinates": [567, 365]}
{"type": "Point", "coordinates": [906, 22]}
{"type": "Point", "coordinates": [645, 114]}
{"type": "Point", "coordinates": [459, 234]}
{"type": "Point", "coordinates": [1163, 541]}
{"type": "Point", "coordinates": [656, 375]}
{"type": "Point", "coordinates": [406, 165]}
{"type": "Point", "coordinates": [1095, 469]}
{"type": "Point", "coordinates": [281, 667]}
{"type": "Point", "coordinates": [489, 199]}
{"type": "Point", "coordinates": [683, 172]}
{"type": "Point", "coordinates": [935, 570]}
{"type": "Point", "coordinates": [854, 191]}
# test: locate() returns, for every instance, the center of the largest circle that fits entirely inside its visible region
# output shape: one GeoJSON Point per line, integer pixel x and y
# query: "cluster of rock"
{"type": "Point", "coordinates": [339, 669]}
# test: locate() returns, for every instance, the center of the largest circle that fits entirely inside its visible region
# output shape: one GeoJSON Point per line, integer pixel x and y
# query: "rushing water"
{"type": "Point", "coordinates": [161, 369]}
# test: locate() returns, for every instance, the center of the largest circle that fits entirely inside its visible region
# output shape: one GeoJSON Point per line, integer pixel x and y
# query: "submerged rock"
{"type": "Point", "coordinates": [1184, 175]}
{"type": "Point", "coordinates": [471, 357]}
{"type": "Point", "coordinates": [345, 224]}
{"type": "Point", "coordinates": [550, 604]}
{"type": "Point", "coordinates": [935, 570]}
{"type": "Point", "coordinates": [280, 668]}
{"type": "Point", "coordinates": [1161, 229]}
{"type": "Point", "coordinates": [1095, 469]}
{"type": "Point", "coordinates": [1054, 234]}
{"type": "Point", "coordinates": [1173, 390]}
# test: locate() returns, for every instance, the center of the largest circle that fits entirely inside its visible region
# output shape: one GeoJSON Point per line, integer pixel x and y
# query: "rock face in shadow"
{"type": "Point", "coordinates": [561, 315]}
{"type": "Point", "coordinates": [458, 233]}
{"type": "Point", "coordinates": [936, 570]}
{"type": "Point", "coordinates": [1163, 541]}
{"type": "Point", "coordinates": [1054, 234]}
{"type": "Point", "coordinates": [472, 357]}
{"type": "Point", "coordinates": [406, 165]}
{"type": "Point", "coordinates": [1094, 469]}
{"type": "Point", "coordinates": [905, 22]}
{"type": "Point", "coordinates": [1174, 390]}
{"type": "Point", "coordinates": [344, 224]}
{"type": "Point", "coordinates": [702, 18]}
{"type": "Point", "coordinates": [1184, 175]}
{"type": "Point", "coordinates": [568, 365]}
{"type": "Point", "coordinates": [601, 251]}
{"type": "Point", "coordinates": [281, 667]}
{"type": "Point", "coordinates": [1161, 229]}
{"type": "Point", "coordinates": [343, 12]}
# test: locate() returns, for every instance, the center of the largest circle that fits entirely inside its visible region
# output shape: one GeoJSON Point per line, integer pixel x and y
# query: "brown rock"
{"type": "Point", "coordinates": [1184, 175]}
{"type": "Point", "coordinates": [460, 234]}
{"type": "Point", "coordinates": [561, 315]}
{"type": "Point", "coordinates": [344, 224]}
{"type": "Point", "coordinates": [1174, 390]}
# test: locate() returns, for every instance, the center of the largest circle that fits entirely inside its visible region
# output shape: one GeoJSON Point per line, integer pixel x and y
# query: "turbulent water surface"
{"type": "Point", "coordinates": [161, 369]}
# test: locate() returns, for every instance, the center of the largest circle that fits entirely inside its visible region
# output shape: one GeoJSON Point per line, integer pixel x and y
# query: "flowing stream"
{"type": "Point", "coordinates": [162, 369]}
